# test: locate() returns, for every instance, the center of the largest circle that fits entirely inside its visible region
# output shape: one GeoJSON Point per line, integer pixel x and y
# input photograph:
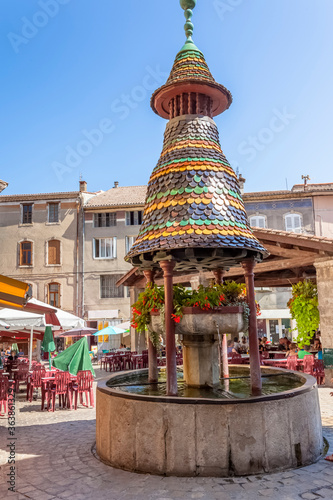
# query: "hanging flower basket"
{"type": "Point", "coordinates": [196, 321]}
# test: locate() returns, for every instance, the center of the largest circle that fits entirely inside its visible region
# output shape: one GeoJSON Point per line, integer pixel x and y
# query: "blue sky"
{"type": "Point", "coordinates": [72, 67]}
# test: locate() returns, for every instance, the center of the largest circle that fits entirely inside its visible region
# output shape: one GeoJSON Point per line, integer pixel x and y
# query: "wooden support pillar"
{"type": "Point", "coordinates": [152, 351]}
{"type": "Point", "coordinates": [248, 266]}
{"type": "Point", "coordinates": [219, 275]}
{"type": "Point", "coordinates": [171, 363]}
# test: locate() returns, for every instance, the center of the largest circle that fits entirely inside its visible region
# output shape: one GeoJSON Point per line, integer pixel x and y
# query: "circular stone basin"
{"type": "Point", "coordinates": [209, 432]}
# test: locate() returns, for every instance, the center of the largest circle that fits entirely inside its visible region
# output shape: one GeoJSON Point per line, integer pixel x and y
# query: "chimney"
{"type": "Point", "coordinates": [83, 187]}
{"type": "Point", "coordinates": [116, 184]}
{"type": "Point", "coordinates": [241, 181]}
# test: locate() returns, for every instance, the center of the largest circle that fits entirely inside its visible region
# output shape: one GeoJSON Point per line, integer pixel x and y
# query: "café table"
{"type": "Point", "coordinates": [46, 385]}
{"type": "Point", "coordinates": [281, 363]}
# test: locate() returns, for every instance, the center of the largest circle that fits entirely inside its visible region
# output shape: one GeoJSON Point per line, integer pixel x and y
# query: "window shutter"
{"type": "Point", "coordinates": [289, 223]}
{"type": "Point", "coordinates": [54, 252]}
{"type": "Point", "coordinates": [128, 218]}
{"type": "Point", "coordinates": [261, 222]}
{"type": "Point", "coordinates": [114, 254]}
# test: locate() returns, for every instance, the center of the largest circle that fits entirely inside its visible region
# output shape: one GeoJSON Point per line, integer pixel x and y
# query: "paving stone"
{"type": "Point", "coordinates": [309, 496]}
{"type": "Point", "coordinates": [325, 493]}
{"type": "Point", "coordinates": [269, 492]}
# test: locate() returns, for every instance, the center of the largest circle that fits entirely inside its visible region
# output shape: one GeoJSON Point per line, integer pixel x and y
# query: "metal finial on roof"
{"type": "Point", "coordinates": [188, 5]}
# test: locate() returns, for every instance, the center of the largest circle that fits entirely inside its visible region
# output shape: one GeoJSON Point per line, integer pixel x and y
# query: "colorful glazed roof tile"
{"type": "Point", "coordinates": [193, 210]}
{"type": "Point", "coordinates": [193, 198]}
{"type": "Point", "coordinates": [190, 67]}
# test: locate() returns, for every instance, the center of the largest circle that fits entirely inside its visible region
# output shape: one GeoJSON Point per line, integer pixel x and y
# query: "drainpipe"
{"type": "Point", "coordinates": [83, 241]}
{"type": "Point", "coordinates": [77, 256]}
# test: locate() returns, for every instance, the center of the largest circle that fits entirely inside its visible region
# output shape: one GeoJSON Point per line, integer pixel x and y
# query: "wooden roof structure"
{"type": "Point", "coordinates": [292, 257]}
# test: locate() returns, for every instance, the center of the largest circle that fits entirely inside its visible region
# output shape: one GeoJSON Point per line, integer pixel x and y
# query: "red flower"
{"type": "Point", "coordinates": [175, 318]}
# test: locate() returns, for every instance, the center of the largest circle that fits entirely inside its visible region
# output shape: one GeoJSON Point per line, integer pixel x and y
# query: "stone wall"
{"type": "Point", "coordinates": [324, 269]}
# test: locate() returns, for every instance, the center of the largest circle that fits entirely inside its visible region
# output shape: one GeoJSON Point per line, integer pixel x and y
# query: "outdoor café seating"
{"type": "Point", "coordinates": [60, 386]}
{"type": "Point", "coordinates": [4, 390]}
{"type": "Point", "coordinates": [292, 363]}
{"type": "Point", "coordinates": [83, 385]}
{"type": "Point", "coordinates": [34, 381]}
{"type": "Point", "coordinates": [21, 375]}
{"type": "Point", "coordinates": [308, 364]}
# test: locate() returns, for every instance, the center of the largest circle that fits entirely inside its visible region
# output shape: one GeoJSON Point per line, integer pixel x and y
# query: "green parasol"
{"type": "Point", "coordinates": [75, 358]}
{"type": "Point", "coordinates": [48, 344]}
{"type": "Point", "coordinates": [15, 348]}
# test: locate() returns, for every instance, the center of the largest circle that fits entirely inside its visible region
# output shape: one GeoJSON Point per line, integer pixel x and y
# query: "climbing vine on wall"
{"type": "Point", "coordinates": [303, 308]}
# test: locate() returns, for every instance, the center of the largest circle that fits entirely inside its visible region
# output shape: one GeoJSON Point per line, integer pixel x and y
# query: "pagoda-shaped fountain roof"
{"type": "Point", "coordinates": [191, 69]}
{"type": "Point", "coordinates": [194, 210]}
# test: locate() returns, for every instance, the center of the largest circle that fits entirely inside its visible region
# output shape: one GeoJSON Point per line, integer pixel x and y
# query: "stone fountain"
{"type": "Point", "coordinates": [195, 220]}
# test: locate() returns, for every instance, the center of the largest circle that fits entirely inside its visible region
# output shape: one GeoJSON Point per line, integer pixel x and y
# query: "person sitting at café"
{"type": "Point", "coordinates": [292, 350]}
{"type": "Point", "coordinates": [262, 345]}
{"type": "Point", "coordinates": [236, 344]}
{"type": "Point", "coordinates": [244, 346]}
{"type": "Point", "coordinates": [230, 347]}
{"type": "Point", "coordinates": [318, 347]}
{"type": "Point", "coordinates": [13, 356]}
{"type": "Point", "coordinates": [304, 352]}
{"type": "Point", "coordinates": [282, 345]}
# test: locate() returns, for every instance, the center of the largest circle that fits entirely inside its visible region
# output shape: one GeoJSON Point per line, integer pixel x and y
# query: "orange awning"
{"type": "Point", "coordinates": [13, 293]}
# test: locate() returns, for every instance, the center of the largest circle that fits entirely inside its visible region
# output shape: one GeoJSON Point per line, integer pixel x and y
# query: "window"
{"type": "Point", "coordinates": [53, 253]}
{"type": "Point", "coordinates": [293, 223]}
{"type": "Point", "coordinates": [53, 212]}
{"type": "Point", "coordinates": [134, 218]}
{"type": "Point", "coordinates": [27, 213]}
{"type": "Point", "coordinates": [105, 248]}
{"type": "Point", "coordinates": [26, 253]}
{"type": "Point", "coordinates": [258, 221]}
{"type": "Point", "coordinates": [129, 240]}
{"type": "Point", "coordinates": [109, 290]}
{"type": "Point", "coordinates": [105, 219]}
{"type": "Point", "coordinates": [53, 295]}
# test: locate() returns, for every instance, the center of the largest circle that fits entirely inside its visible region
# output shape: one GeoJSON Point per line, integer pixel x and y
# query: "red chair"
{"type": "Point", "coordinates": [34, 381]}
{"type": "Point", "coordinates": [308, 364]}
{"type": "Point", "coordinates": [319, 371]}
{"type": "Point", "coordinates": [84, 384]}
{"type": "Point", "coordinates": [292, 363]}
{"type": "Point", "coordinates": [117, 363]}
{"type": "Point", "coordinates": [61, 387]}
{"type": "Point", "coordinates": [21, 376]}
{"type": "Point", "coordinates": [4, 386]}
{"type": "Point", "coordinates": [127, 361]}
{"type": "Point", "coordinates": [179, 358]}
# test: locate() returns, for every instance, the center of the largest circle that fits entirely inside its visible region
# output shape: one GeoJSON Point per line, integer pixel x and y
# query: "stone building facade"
{"type": "Point", "coordinates": [111, 224]}
{"type": "Point", "coordinates": [40, 244]}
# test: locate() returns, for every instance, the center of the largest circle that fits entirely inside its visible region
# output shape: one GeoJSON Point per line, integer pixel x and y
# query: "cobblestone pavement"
{"type": "Point", "coordinates": [55, 461]}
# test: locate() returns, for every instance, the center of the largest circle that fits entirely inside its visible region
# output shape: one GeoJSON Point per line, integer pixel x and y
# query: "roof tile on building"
{"type": "Point", "coordinates": [120, 196]}
{"type": "Point", "coordinates": [325, 186]}
{"type": "Point", "coordinates": [299, 236]}
{"type": "Point", "coordinates": [39, 196]}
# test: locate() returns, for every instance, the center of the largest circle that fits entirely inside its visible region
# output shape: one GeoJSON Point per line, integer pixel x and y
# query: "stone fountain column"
{"type": "Point", "coordinates": [200, 360]}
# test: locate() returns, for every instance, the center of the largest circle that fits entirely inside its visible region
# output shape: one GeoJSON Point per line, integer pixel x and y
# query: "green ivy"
{"type": "Point", "coordinates": [303, 308]}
